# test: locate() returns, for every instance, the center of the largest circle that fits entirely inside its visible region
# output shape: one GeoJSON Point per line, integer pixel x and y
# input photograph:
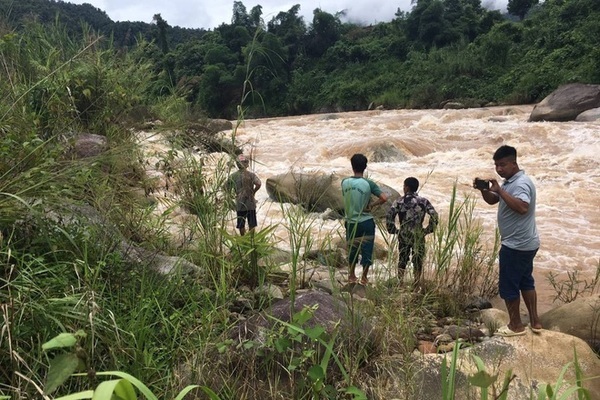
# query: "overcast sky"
{"type": "Point", "coordinates": [209, 14]}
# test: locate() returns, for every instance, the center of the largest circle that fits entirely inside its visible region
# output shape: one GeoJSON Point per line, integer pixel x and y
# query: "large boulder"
{"type": "Point", "coordinates": [590, 115]}
{"type": "Point", "coordinates": [286, 341]}
{"type": "Point", "coordinates": [86, 145]}
{"type": "Point", "coordinates": [534, 359]}
{"type": "Point", "coordinates": [566, 103]}
{"type": "Point", "coordinates": [580, 318]}
{"type": "Point", "coordinates": [318, 192]}
{"type": "Point", "coordinates": [329, 312]}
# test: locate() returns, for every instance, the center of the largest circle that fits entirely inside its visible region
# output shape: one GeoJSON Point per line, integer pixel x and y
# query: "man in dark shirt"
{"type": "Point", "coordinates": [411, 209]}
{"type": "Point", "coordinates": [245, 184]}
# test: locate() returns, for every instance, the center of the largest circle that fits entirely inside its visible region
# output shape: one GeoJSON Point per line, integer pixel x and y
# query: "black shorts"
{"type": "Point", "coordinates": [242, 216]}
{"type": "Point", "coordinates": [516, 272]}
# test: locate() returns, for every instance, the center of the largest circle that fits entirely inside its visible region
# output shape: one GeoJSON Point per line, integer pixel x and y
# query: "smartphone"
{"type": "Point", "coordinates": [482, 184]}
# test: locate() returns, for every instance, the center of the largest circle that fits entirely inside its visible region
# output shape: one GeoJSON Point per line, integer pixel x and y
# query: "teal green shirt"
{"type": "Point", "coordinates": [357, 194]}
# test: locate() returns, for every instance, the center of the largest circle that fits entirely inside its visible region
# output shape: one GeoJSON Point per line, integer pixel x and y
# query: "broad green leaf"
{"type": "Point", "coordinates": [483, 379]}
{"type": "Point", "coordinates": [61, 368]}
{"type": "Point", "coordinates": [60, 341]}
{"type": "Point", "coordinates": [549, 391]}
{"type": "Point", "coordinates": [356, 393]}
{"type": "Point", "coordinates": [107, 389]}
{"type": "Point", "coordinates": [133, 380]}
{"type": "Point", "coordinates": [125, 390]}
{"type": "Point", "coordinates": [189, 388]}
{"type": "Point", "coordinates": [282, 344]}
{"type": "Point", "coordinates": [88, 394]}
{"type": "Point", "coordinates": [212, 395]}
{"type": "Point", "coordinates": [316, 373]}
{"type": "Point", "coordinates": [315, 333]}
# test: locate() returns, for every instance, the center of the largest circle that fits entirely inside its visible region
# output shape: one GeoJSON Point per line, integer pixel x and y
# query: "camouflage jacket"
{"type": "Point", "coordinates": [411, 209]}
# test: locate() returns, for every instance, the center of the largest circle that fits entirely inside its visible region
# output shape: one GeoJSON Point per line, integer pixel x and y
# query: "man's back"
{"type": "Point", "coordinates": [357, 194]}
{"type": "Point", "coordinates": [244, 182]}
{"type": "Point", "coordinates": [411, 209]}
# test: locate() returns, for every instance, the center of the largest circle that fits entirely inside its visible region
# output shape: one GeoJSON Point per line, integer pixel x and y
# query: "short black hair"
{"type": "Point", "coordinates": [359, 162]}
{"type": "Point", "coordinates": [412, 183]}
{"type": "Point", "coordinates": [505, 152]}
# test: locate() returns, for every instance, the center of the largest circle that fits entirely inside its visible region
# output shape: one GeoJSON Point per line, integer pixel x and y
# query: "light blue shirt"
{"type": "Point", "coordinates": [518, 231]}
{"type": "Point", "coordinates": [357, 194]}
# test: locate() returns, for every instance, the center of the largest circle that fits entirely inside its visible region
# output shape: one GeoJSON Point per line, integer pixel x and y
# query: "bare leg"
{"type": "Point", "coordinates": [364, 280]}
{"type": "Point", "coordinates": [514, 315]}
{"type": "Point", "coordinates": [530, 300]}
{"type": "Point", "coordinates": [242, 231]}
{"type": "Point", "coordinates": [352, 274]}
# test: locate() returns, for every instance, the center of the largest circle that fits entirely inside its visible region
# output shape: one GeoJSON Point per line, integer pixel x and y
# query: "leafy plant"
{"type": "Point", "coordinates": [65, 363]}
{"type": "Point", "coordinates": [573, 287]}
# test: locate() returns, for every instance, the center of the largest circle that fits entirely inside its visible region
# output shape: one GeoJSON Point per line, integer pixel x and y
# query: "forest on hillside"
{"type": "Point", "coordinates": [439, 51]}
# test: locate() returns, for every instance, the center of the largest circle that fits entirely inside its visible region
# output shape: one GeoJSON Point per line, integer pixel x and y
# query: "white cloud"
{"type": "Point", "coordinates": [210, 14]}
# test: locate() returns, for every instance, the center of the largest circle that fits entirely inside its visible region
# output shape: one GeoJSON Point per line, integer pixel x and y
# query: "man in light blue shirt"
{"type": "Point", "coordinates": [360, 226]}
{"type": "Point", "coordinates": [516, 200]}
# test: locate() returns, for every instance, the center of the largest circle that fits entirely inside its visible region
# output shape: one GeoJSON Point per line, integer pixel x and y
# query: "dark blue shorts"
{"type": "Point", "coordinates": [516, 272]}
{"type": "Point", "coordinates": [242, 216]}
{"type": "Point", "coordinates": [361, 238]}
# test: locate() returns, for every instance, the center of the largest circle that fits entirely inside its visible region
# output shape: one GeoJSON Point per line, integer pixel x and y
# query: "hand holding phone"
{"type": "Point", "coordinates": [481, 184]}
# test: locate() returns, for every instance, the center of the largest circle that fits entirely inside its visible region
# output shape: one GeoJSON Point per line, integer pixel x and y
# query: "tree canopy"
{"type": "Point", "coordinates": [438, 51]}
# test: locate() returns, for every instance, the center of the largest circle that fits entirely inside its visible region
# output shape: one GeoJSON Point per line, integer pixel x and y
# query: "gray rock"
{"type": "Point", "coordinates": [590, 115]}
{"type": "Point", "coordinates": [534, 359]}
{"type": "Point", "coordinates": [566, 103]}
{"type": "Point", "coordinates": [317, 192]}
{"type": "Point", "coordinates": [87, 145]}
{"type": "Point", "coordinates": [268, 290]}
{"type": "Point", "coordinates": [328, 312]}
{"type": "Point", "coordinates": [454, 105]}
{"type": "Point", "coordinates": [580, 318]}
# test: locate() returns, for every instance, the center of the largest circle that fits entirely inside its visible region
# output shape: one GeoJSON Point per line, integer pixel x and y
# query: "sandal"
{"type": "Point", "coordinates": [364, 281]}
{"type": "Point", "coordinates": [505, 331]}
{"type": "Point", "coordinates": [535, 330]}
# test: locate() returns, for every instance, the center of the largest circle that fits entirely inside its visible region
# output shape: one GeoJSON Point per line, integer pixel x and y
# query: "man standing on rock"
{"type": "Point", "coordinates": [520, 241]}
{"type": "Point", "coordinates": [360, 225]}
{"type": "Point", "coordinates": [245, 184]}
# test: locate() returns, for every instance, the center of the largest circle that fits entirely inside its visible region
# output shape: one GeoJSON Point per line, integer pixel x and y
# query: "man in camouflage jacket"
{"type": "Point", "coordinates": [411, 210]}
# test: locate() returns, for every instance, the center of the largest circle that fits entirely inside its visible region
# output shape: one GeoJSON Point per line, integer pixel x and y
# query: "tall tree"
{"type": "Point", "coordinates": [520, 8]}
{"type": "Point", "coordinates": [161, 36]}
{"type": "Point", "coordinates": [290, 28]}
{"type": "Point", "coordinates": [324, 32]}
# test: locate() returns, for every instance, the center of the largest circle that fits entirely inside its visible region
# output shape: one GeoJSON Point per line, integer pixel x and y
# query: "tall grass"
{"type": "Point", "coordinates": [461, 262]}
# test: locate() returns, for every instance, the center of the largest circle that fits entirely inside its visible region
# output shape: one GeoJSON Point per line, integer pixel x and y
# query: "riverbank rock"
{"type": "Point", "coordinates": [589, 115]}
{"type": "Point", "coordinates": [534, 359]}
{"type": "Point", "coordinates": [87, 145]}
{"type": "Point", "coordinates": [318, 192]}
{"type": "Point", "coordinates": [566, 103]}
{"type": "Point", "coordinates": [306, 327]}
{"type": "Point", "coordinates": [580, 318]}
{"type": "Point", "coordinates": [327, 311]}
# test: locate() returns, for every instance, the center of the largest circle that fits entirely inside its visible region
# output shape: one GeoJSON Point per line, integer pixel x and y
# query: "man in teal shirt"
{"type": "Point", "coordinates": [360, 226]}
